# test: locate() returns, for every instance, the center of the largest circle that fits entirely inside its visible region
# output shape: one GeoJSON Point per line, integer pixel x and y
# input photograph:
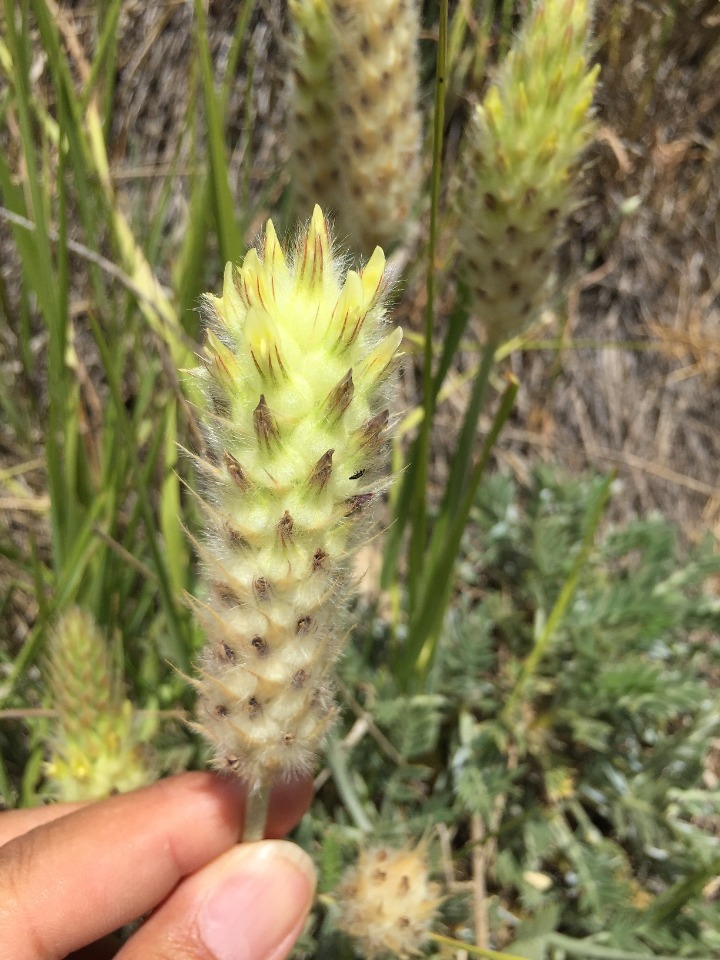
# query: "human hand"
{"type": "Point", "coordinates": [72, 873]}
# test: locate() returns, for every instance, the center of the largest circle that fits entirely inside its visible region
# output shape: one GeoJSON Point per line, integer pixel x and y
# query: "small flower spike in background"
{"type": "Point", "coordinates": [316, 172]}
{"type": "Point", "coordinates": [357, 129]}
{"type": "Point", "coordinates": [387, 902]}
{"type": "Point", "coordinates": [516, 186]}
{"type": "Point", "coordinates": [294, 379]}
{"type": "Point", "coordinates": [96, 745]}
{"type": "Point", "coordinates": [376, 87]}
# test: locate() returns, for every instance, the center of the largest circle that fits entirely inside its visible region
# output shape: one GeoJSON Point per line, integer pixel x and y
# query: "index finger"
{"type": "Point", "coordinates": [13, 823]}
{"type": "Point", "coordinates": [69, 882]}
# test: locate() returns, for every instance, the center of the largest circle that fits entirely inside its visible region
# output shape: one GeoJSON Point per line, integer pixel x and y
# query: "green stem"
{"type": "Point", "coordinates": [463, 453]}
{"type": "Point", "coordinates": [256, 814]}
{"type": "Point", "coordinates": [472, 949]}
{"type": "Point", "coordinates": [337, 761]}
{"type": "Point", "coordinates": [417, 539]}
{"type": "Point", "coordinates": [419, 651]}
{"type": "Point", "coordinates": [578, 948]}
{"type": "Point", "coordinates": [581, 948]}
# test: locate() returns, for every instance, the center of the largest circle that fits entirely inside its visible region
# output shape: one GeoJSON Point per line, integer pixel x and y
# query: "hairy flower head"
{"type": "Point", "coordinates": [294, 378]}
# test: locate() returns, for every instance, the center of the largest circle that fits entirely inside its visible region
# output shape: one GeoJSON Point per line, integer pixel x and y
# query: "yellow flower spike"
{"type": "Point", "coordinates": [251, 265]}
{"type": "Point", "coordinates": [548, 148]}
{"type": "Point", "coordinates": [515, 182]}
{"type": "Point", "coordinates": [521, 103]}
{"type": "Point", "coordinates": [254, 279]}
{"type": "Point", "coordinates": [492, 107]}
{"type": "Point", "coordinates": [288, 498]}
{"type": "Point", "coordinates": [95, 743]}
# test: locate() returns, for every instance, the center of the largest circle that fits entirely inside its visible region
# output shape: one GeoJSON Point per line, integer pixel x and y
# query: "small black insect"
{"type": "Point", "coordinates": [360, 473]}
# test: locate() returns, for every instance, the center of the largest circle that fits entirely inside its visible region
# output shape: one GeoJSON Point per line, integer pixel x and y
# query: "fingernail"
{"type": "Point", "coordinates": [260, 903]}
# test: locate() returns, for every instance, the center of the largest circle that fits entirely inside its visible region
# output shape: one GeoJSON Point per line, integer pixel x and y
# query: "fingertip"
{"type": "Point", "coordinates": [259, 901]}
{"type": "Point", "coordinates": [289, 802]}
{"type": "Point", "coordinates": [249, 904]}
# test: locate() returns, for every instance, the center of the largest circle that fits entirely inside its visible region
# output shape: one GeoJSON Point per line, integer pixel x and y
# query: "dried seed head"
{"type": "Point", "coordinates": [318, 560]}
{"type": "Point", "coordinates": [227, 653]}
{"type": "Point", "coordinates": [312, 127]}
{"type": "Point", "coordinates": [387, 901]}
{"type": "Point", "coordinates": [261, 647]}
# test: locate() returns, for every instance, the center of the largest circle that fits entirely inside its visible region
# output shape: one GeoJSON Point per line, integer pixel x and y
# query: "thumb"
{"type": "Point", "coordinates": [249, 904]}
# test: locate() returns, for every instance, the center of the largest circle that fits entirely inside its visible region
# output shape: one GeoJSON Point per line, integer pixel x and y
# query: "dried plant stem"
{"type": "Point", "coordinates": [256, 811]}
{"type": "Point", "coordinates": [479, 860]}
{"type": "Point", "coordinates": [471, 948]}
{"type": "Point", "coordinates": [484, 843]}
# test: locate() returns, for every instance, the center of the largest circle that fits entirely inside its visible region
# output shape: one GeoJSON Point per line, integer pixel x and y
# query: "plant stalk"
{"type": "Point", "coordinates": [256, 812]}
{"type": "Point", "coordinates": [419, 527]}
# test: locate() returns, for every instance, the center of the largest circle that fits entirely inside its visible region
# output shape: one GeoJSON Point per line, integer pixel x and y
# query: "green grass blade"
{"type": "Point", "coordinates": [463, 453]}
{"type": "Point", "coordinates": [48, 282]}
{"type": "Point", "coordinates": [173, 535]}
{"type": "Point", "coordinates": [457, 322]}
{"type": "Point", "coordinates": [228, 232]}
{"type": "Point", "coordinates": [342, 776]}
{"type": "Point", "coordinates": [471, 949]}
{"type": "Point", "coordinates": [240, 32]}
{"type": "Point", "coordinates": [177, 640]}
{"type": "Point", "coordinates": [66, 588]}
{"type": "Point", "coordinates": [105, 51]}
{"type": "Point", "coordinates": [189, 269]}
{"type": "Point", "coordinates": [19, 48]}
{"type": "Point", "coordinates": [190, 263]}
{"type": "Point", "coordinates": [425, 626]}
{"type": "Point", "coordinates": [419, 501]}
